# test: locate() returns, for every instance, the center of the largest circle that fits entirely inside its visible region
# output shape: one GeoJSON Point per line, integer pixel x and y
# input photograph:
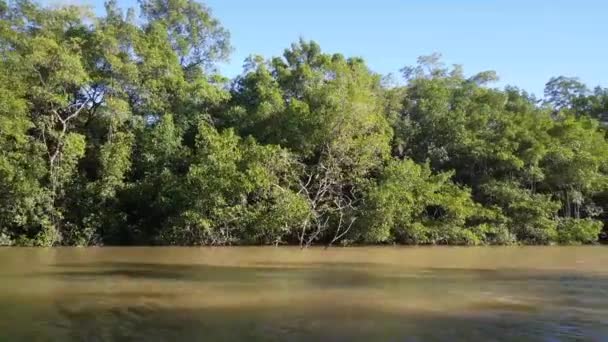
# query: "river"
{"type": "Point", "coordinates": [288, 294]}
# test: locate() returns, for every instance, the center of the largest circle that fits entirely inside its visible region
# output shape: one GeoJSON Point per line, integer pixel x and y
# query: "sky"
{"type": "Point", "coordinates": [526, 42]}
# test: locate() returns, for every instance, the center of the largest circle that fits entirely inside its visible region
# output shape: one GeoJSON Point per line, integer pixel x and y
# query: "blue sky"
{"type": "Point", "coordinates": [526, 42]}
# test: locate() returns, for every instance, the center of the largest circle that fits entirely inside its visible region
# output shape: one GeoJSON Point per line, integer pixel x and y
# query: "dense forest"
{"type": "Point", "coordinates": [119, 130]}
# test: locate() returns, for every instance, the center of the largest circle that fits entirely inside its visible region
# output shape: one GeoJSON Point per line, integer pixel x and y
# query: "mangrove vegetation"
{"type": "Point", "coordinates": [119, 130]}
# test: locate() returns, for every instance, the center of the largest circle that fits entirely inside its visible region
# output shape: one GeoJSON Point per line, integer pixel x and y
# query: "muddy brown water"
{"type": "Point", "coordinates": [288, 294]}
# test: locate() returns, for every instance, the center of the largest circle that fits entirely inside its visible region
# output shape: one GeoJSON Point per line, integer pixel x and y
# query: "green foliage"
{"type": "Point", "coordinates": [530, 216]}
{"type": "Point", "coordinates": [561, 92]}
{"type": "Point", "coordinates": [115, 160]}
{"type": "Point", "coordinates": [308, 100]}
{"type": "Point", "coordinates": [195, 36]}
{"type": "Point", "coordinates": [532, 164]}
{"type": "Point", "coordinates": [246, 195]}
{"type": "Point", "coordinates": [410, 204]}
{"type": "Point", "coordinates": [576, 164]}
{"type": "Point", "coordinates": [575, 231]}
{"type": "Point", "coordinates": [117, 130]}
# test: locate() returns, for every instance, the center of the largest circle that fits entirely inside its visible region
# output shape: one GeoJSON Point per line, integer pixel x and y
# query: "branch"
{"type": "Point", "coordinates": [339, 236]}
{"type": "Point", "coordinates": [75, 114]}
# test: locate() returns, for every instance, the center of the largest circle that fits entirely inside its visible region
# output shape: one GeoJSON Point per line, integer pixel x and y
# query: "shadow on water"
{"type": "Point", "coordinates": [330, 274]}
{"type": "Point", "coordinates": [327, 275]}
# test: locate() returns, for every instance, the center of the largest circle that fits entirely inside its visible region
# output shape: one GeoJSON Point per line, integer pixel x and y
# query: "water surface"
{"type": "Point", "coordinates": [287, 294]}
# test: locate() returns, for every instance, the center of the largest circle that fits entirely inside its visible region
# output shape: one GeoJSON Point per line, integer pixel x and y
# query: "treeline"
{"type": "Point", "coordinates": [119, 130]}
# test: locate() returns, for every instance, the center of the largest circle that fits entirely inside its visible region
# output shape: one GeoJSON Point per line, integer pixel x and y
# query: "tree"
{"type": "Point", "coordinates": [120, 130]}
{"type": "Point", "coordinates": [244, 184]}
{"type": "Point", "coordinates": [563, 92]}
{"type": "Point", "coordinates": [504, 147]}
{"type": "Point", "coordinates": [410, 204]}
{"type": "Point", "coordinates": [45, 48]}
{"type": "Point", "coordinates": [23, 199]}
{"type": "Point", "coordinates": [328, 110]}
{"type": "Point", "coordinates": [576, 165]}
{"type": "Point", "coordinates": [84, 89]}
{"type": "Point", "coordinates": [195, 35]}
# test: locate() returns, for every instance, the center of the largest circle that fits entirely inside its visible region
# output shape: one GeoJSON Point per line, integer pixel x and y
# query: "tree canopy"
{"type": "Point", "coordinates": [117, 130]}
